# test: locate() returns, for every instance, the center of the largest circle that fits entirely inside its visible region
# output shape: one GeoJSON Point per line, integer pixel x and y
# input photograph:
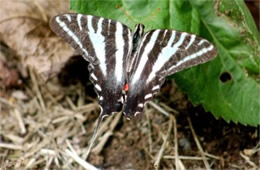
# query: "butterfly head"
{"type": "Point", "coordinates": [139, 29]}
{"type": "Point", "coordinates": [136, 37]}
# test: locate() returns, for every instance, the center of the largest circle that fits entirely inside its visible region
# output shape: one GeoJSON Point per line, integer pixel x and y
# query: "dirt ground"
{"type": "Point", "coordinates": [48, 124]}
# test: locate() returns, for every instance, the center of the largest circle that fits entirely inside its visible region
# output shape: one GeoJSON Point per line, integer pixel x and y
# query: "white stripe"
{"type": "Point", "coordinates": [103, 115]}
{"type": "Point", "coordinates": [164, 34]}
{"type": "Point", "coordinates": [120, 52]}
{"type": "Point", "coordinates": [191, 41]}
{"type": "Point", "coordinates": [98, 43]}
{"type": "Point", "coordinates": [192, 56]}
{"type": "Point", "coordinates": [136, 113]}
{"type": "Point", "coordinates": [129, 41]}
{"type": "Point", "coordinates": [71, 34]}
{"type": "Point", "coordinates": [201, 42]}
{"type": "Point", "coordinates": [99, 25]}
{"type": "Point", "coordinates": [101, 98]}
{"type": "Point", "coordinates": [155, 88]}
{"type": "Point", "coordinates": [166, 54]}
{"type": "Point", "coordinates": [90, 28]}
{"type": "Point", "coordinates": [93, 76]}
{"type": "Point", "coordinates": [108, 29]}
{"type": "Point", "coordinates": [68, 17]}
{"type": "Point", "coordinates": [148, 96]}
{"type": "Point", "coordinates": [122, 99]}
{"type": "Point", "coordinates": [98, 87]}
{"type": "Point", "coordinates": [210, 48]}
{"type": "Point", "coordinates": [79, 21]}
{"type": "Point", "coordinates": [140, 105]}
{"type": "Point", "coordinates": [144, 56]}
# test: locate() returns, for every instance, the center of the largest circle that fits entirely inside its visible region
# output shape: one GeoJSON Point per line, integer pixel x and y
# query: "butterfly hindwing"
{"type": "Point", "coordinates": [105, 44]}
{"type": "Point", "coordinates": [162, 53]}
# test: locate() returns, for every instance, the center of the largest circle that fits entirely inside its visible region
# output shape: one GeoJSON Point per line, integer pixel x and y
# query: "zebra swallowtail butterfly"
{"type": "Point", "coordinates": [128, 67]}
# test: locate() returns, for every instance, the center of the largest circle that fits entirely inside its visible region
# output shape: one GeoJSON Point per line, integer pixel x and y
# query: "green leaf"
{"type": "Point", "coordinates": [237, 40]}
{"type": "Point", "coordinates": [227, 86]}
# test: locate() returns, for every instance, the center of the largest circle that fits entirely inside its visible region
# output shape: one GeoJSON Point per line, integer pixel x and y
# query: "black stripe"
{"type": "Point", "coordinates": [94, 23]}
{"type": "Point", "coordinates": [177, 38]}
{"type": "Point", "coordinates": [185, 42]}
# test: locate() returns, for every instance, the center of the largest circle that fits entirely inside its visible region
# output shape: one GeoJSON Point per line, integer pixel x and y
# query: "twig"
{"type": "Point", "coordinates": [20, 121]}
{"type": "Point", "coordinates": [192, 158]}
{"type": "Point", "coordinates": [37, 90]}
{"type": "Point", "coordinates": [20, 17]}
{"type": "Point", "coordinates": [71, 104]}
{"type": "Point", "coordinates": [106, 136]}
{"type": "Point", "coordinates": [10, 146]}
{"type": "Point", "coordinates": [234, 166]}
{"type": "Point", "coordinates": [48, 163]}
{"type": "Point", "coordinates": [181, 165]}
{"type": "Point", "coordinates": [211, 156]}
{"type": "Point", "coordinates": [14, 138]}
{"type": "Point", "coordinates": [6, 102]}
{"type": "Point", "coordinates": [98, 130]}
{"type": "Point", "coordinates": [57, 162]}
{"type": "Point", "coordinates": [149, 154]}
{"type": "Point", "coordinates": [99, 147]}
{"type": "Point", "coordinates": [158, 108]}
{"type": "Point", "coordinates": [80, 161]}
{"type": "Point", "coordinates": [172, 118]}
{"type": "Point", "coordinates": [160, 154]}
{"type": "Point", "coordinates": [115, 121]}
{"type": "Point", "coordinates": [30, 163]}
{"type": "Point", "coordinates": [104, 125]}
{"type": "Point", "coordinates": [198, 145]}
{"type": "Point", "coordinates": [166, 107]}
{"type": "Point", "coordinates": [175, 143]}
{"type": "Point", "coordinates": [43, 14]}
{"type": "Point", "coordinates": [36, 147]}
{"type": "Point", "coordinates": [48, 152]}
{"type": "Point", "coordinates": [247, 159]}
{"type": "Point", "coordinates": [70, 146]}
{"type": "Point", "coordinates": [150, 141]}
{"type": "Point", "coordinates": [87, 108]}
{"type": "Point", "coordinates": [250, 152]}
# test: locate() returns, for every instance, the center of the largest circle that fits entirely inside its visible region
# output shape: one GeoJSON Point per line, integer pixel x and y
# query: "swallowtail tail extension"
{"type": "Point", "coordinates": [128, 67]}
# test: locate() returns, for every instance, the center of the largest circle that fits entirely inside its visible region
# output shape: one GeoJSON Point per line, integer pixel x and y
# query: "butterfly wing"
{"type": "Point", "coordinates": [162, 53]}
{"type": "Point", "coordinates": [105, 44]}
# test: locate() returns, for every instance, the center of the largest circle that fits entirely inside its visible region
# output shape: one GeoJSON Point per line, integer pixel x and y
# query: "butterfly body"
{"type": "Point", "coordinates": [128, 67]}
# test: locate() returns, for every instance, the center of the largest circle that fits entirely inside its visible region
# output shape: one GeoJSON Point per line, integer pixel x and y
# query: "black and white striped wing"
{"type": "Point", "coordinates": [162, 53]}
{"type": "Point", "coordinates": [105, 44]}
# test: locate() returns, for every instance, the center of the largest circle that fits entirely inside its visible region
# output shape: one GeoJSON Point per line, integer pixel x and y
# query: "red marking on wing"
{"type": "Point", "coordinates": [126, 87]}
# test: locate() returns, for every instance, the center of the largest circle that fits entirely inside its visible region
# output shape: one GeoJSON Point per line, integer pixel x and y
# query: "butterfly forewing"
{"type": "Point", "coordinates": [162, 53]}
{"type": "Point", "coordinates": [105, 44]}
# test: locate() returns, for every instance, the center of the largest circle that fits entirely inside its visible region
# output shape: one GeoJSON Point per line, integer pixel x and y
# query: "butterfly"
{"type": "Point", "coordinates": [127, 68]}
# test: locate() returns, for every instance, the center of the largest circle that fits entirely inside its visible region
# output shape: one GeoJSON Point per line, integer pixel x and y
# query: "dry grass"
{"type": "Point", "coordinates": [36, 131]}
{"type": "Point", "coordinates": [46, 130]}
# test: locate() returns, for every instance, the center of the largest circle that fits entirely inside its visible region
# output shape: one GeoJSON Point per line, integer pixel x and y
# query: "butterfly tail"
{"type": "Point", "coordinates": [100, 118]}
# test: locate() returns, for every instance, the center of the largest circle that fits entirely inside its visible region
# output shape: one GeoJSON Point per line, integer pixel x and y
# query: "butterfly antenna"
{"type": "Point", "coordinates": [100, 118]}
{"type": "Point", "coordinates": [150, 16]}
{"type": "Point", "coordinates": [125, 13]}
